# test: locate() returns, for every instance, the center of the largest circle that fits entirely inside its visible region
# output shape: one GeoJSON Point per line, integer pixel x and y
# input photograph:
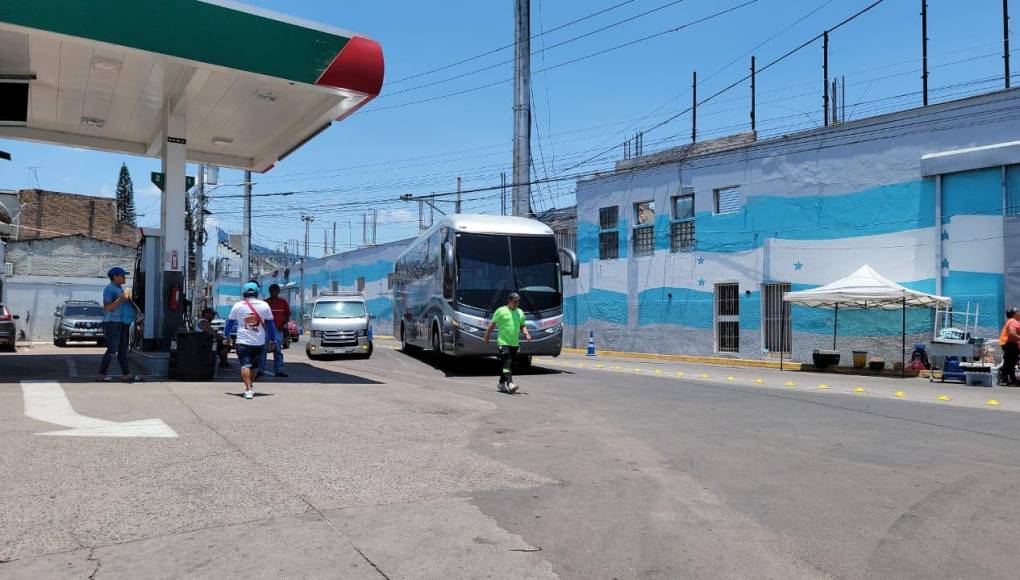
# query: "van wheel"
{"type": "Point", "coordinates": [368, 353]}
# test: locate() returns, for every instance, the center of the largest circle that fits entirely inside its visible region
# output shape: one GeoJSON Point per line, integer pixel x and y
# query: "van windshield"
{"type": "Point", "coordinates": [339, 310]}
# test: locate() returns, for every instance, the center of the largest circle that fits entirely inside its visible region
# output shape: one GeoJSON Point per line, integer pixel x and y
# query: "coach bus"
{"type": "Point", "coordinates": [451, 279]}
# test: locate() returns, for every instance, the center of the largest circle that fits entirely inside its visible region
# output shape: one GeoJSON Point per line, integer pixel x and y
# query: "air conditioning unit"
{"type": "Point", "coordinates": [13, 102]}
{"type": "Point", "coordinates": [8, 268]}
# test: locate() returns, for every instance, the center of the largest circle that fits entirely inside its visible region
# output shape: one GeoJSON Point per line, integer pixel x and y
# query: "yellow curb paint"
{"type": "Point", "coordinates": [823, 387]}
{"type": "Point", "coordinates": [791, 384]}
{"type": "Point", "coordinates": [943, 398]}
{"type": "Point", "coordinates": [900, 394]}
{"type": "Point", "coordinates": [859, 390]}
{"type": "Point", "coordinates": [992, 402]}
{"type": "Point", "coordinates": [759, 381]}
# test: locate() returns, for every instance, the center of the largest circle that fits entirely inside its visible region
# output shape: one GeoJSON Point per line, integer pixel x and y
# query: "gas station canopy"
{"type": "Point", "coordinates": [252, 85]}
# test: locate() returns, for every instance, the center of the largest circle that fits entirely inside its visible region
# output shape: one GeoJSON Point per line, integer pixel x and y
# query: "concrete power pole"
{"type": "Point", "coordinates": [199, 243]}
{"type": "Point", "coordinates": [246, 234]}
{"type": "Point", "coordinates": [522, 109]}
{"type": "Point", "coordinates": [457, 207]}
{"type": "Point", "coordinates": [308, 221]}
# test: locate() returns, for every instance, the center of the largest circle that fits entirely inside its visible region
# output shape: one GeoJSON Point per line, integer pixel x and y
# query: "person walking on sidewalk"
{"type": "Point", "coordinates": [510, 321]}
{"type": "Point", "coordinates": [1009, 340]}
{"type": "Point", "coordinates": [281, 316]}
{"type": "Point", "coordinates": [118, 315]}
{"type": "Point", "coordinates": [249, 326]}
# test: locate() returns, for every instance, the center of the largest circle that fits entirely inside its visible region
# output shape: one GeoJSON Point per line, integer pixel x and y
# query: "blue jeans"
{"type": "Point", "coordinates": [277, 358]}
{"type": "Point", "coordinates": [116, 335]}
{"type": "Point", "coordinates": [249, 356]}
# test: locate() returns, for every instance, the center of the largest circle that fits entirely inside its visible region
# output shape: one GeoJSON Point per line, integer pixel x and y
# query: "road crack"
{"type": "Point", "coordinates": [92, 558]}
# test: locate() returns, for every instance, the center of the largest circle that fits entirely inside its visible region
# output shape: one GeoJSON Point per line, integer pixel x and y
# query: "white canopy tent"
{"type": "Point", "coordinates": [863, 290]}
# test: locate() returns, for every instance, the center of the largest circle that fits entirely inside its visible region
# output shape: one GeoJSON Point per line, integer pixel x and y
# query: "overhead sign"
{"type": "Point", "coordinates": [159, 180]}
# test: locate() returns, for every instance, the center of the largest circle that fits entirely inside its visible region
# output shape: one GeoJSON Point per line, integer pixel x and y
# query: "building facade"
{"type": "Point", "coordinates": [689, 251]}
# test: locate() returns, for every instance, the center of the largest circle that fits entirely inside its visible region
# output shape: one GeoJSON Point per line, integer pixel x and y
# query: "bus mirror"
{"type": "Point", "coordinates": [568, 263]}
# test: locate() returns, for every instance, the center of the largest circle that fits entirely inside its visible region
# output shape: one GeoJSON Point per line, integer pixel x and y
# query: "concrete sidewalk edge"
{"type": "Point", "coordinates": [711, 360]}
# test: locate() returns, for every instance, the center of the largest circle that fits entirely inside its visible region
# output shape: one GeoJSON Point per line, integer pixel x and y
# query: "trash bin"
{"type": "Point", "coordinates": [860, 358]}
{"type": "Point", "coordinates": [192, 357]}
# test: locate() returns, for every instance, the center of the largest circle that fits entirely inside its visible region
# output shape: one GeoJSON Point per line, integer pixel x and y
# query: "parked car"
{"type": "Point", "coordinates": [339, 324]}
{"type": "Point", "coordinates": [78, 320]}
{"type": "Point", "coordinates": [292, 329]}
{"type": "Point", "coordinates": [8, 333]}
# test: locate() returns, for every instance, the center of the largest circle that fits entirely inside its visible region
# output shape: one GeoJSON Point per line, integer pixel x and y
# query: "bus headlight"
{"type": "Point", "coordinates": [553, 329]}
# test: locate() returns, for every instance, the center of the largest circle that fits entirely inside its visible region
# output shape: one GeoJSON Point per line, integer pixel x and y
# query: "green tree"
{"type": "Point", "coordinates": [125, 197]}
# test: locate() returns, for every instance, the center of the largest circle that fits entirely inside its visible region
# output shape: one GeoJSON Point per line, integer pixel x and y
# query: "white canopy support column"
{"type": "Point", "coordinates": [175, 236]}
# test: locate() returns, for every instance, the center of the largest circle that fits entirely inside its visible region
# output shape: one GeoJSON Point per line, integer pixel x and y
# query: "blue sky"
{"type": "Point", "coordinates": [580, 109]}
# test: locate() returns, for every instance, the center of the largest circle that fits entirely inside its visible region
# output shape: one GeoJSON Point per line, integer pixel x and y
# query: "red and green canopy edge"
{"type": "Point", "coordinates": [206, 32]}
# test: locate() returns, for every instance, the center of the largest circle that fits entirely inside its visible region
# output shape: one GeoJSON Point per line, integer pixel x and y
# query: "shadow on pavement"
{"type": "Point", "coordinates": [79, 367]}
{"type": "Point", "coordinates": [477, 367]}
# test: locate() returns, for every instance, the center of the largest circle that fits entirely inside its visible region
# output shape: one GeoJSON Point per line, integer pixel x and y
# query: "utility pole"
{"type": "Point", "coordinates": [246, 234]}
{"type": "Point", "coordinates": [1005, 40]}
{"type": "Point", "coordinates": [694, 108]}
{"type": "Point", "coordinates": [199, 243]}
{"type": "Point", "coordinates": [364, 229]}
{"type": "Point", "coordinates": [375, 223]}
{"type": "Point", "coordinates": [753, 69]}
{"type": "Point", "coordinates": [825, 80]}
{"type": "Point", "coordinates": [456, 208]}
{"type": "Point", "coordinates": [502, 193]}
{"type": "Point", "coordinates": [334, 237]}
{"type": "Point", "coordinates": [924, 51]}
{"type": "Point", "coordinates": [325, 243]}
{"type": "Point", "coordinates": [308, 219]}
{"type": "Point", "coordinates": [522, 109]}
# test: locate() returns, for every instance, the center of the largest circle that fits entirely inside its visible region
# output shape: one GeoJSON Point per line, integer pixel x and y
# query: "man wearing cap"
{"type": "Point", "coordinates": [249, 325]}
{"type": "Point", "coordinates": [118, 315]}
{"type": "Point", "coordinates": [510, 321]}
{"type": "Point", "coordinates": [281, 314]}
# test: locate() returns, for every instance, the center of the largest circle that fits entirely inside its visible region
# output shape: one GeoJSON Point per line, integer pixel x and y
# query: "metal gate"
{"type": "Point", "coordinates": [775, 318]}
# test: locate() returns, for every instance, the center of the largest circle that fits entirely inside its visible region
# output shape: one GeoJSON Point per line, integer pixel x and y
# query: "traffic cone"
{"type": "Point", "coordinates": [591, 343]}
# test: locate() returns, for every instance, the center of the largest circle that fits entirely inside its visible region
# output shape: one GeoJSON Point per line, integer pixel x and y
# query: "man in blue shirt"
{"type": "Point", "coordinates": [118, 315]}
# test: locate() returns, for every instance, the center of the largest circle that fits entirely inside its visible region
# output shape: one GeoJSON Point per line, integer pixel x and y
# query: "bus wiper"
{"type": "Point", "coordinates": [495, 296]}
{"type": "Point", "coordinates": [524, 293]}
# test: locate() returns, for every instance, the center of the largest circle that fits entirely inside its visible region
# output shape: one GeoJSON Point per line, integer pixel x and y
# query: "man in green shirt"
{"type": "Point", "coordinates": [510, 321]}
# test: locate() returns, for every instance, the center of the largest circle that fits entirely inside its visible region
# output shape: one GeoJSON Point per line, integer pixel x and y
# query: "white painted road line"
{"type": "Point", "coordinates": [45, 401]}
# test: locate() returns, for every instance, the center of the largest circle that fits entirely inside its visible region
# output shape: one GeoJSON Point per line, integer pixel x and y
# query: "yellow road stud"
{"type": "Point", "coordinates": [703, 375]}
{"type": "Point", "coordinates": [823, 387]}
{"type": "Point", "coordinates": [759, 381]}
{"type": "Point", "coordinates": [791, 384]}
{"type": "Point", "coordinates": [859, 390]}
{"type": "Point", "coordinates": [679, 373]}
{"type": "Point", "coordinates": [658, 371]}
{"type": "Point", "coordinates": [899, 394]}
{"type": "Point", "coordinates": [731, 378]}
{"type": "Point", "coordinates": [600, 366]}
{"type": "Point", "coordinates": [638, 370]}
{"type": "Point", "coordinates": [993, 402]}
{"type": "Point", "coordinates": [943, 398]}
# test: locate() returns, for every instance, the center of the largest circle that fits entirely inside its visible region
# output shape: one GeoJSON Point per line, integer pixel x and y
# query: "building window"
{"type": "Point", "coordinates": [335, 285]}
{"type": "Point", "coordinates": [681, 230]}
{"type": "Point", "coordinates": [728, 200]}
{"type": "Point", "coordinates": [775, 317]}
{"type": "Point", "coordinates": [644, 228]}
{"type": "Point", "coordinates": [361, 284]}
{"type": "Point", "coordinates": [315, 290]}
{"type": "Point", "coordinates": [727, 317]}
{"type": "Point", "coordinates": [609, 233]}
{"type": "Point", "coordinates": [389, 280]}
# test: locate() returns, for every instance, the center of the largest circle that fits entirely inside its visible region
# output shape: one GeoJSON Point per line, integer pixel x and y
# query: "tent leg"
{"type": "Point", "coordinates": [903, 345]}
{"type": "Point", "coordinates": [835, 325]}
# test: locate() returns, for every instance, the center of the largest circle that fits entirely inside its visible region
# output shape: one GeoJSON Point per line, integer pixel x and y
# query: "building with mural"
{"type": "Point", "coordinates": [689, 250]}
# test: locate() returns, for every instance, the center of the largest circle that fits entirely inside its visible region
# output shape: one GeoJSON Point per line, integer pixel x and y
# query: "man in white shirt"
{"type": "Point", "coordinates": [249, 324]}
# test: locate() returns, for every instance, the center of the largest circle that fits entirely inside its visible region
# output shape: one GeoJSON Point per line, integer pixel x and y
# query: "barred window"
{"type": "Point", "coordinates": [609, 245]}
{"type": "Point", "coordinates": [727, 317]}
{"type": "Point", "coordinates": [644, 240]}
{"type": "Point", "coordinates": [609, 218]}
{"type": "Point", "coordinates": [609, 234]}
{"type": "Point", "coordinates": [361, 284]}
{"type": "Point", "coordinates": [682, 226]}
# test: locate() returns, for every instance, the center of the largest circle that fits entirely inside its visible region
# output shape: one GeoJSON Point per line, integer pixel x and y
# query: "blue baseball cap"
{"type": "Point", "coordinates": [250, 288]}
{"type": "Point", "coordinates": [116, 271]}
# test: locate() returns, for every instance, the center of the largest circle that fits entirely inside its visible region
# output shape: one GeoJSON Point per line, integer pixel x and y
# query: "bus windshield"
{"type": "Point", "coordinates": [491, 266]}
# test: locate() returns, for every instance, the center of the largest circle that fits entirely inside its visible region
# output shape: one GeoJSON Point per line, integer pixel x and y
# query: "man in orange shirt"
{"type": "Point", "coordinates": [1009, 340]}
{"type": "Point", "coordinates": [281, 315]}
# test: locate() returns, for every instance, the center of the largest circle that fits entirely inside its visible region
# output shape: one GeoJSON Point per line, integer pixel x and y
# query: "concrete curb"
{"type": "Point", "coordinates": [709, 360]}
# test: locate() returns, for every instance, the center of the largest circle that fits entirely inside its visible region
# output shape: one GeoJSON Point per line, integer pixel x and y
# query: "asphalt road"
{"type": "Point", "coordinates": [412, 467]}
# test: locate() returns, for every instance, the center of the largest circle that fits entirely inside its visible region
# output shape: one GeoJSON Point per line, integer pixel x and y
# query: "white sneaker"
{"type": "Point", "coordinates": [511, 388]}
{"type": "Point", "coordinates": [249, 394]}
